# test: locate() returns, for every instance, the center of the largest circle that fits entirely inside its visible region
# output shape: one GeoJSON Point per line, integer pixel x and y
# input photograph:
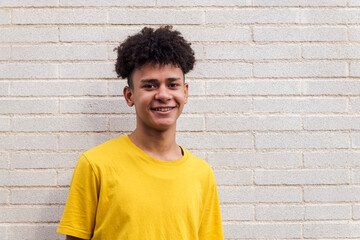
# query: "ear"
{"type": "Point", "coordinates": [128, 95]}
{"type": "Point", "coordinates": [186, 92]}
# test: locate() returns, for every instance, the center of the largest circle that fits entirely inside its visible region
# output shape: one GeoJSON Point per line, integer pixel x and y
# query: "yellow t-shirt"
{"type": "Point", "coordinates": [119, 192]}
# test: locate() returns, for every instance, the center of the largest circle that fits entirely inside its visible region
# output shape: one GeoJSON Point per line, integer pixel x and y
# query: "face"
{"type": "Point", "coordinates": [159, 94]}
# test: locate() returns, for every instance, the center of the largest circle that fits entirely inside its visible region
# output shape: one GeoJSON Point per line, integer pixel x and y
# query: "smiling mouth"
{"type": "Point", "coordinates": [163, 109]}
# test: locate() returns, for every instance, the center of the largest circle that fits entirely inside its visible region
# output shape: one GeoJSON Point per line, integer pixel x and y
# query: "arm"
{"type": "Point", "coordinates": [73, 238]}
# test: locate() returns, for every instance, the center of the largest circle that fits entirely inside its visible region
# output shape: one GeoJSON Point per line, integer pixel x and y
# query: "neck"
{"type": "Point", "coordinates": [158, 144]}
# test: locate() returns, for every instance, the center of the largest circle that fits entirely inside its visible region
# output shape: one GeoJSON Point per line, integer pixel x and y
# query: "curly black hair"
{"type": "Point", "coordinates": [161, 46]}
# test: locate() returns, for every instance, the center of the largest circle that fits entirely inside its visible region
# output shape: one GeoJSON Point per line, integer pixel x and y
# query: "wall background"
{"type": "Point", "coordinates": [274, 107]}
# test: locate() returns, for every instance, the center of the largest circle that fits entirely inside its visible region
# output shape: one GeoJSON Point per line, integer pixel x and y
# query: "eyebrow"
{"type": "Point", "coordinates": [152, 80]}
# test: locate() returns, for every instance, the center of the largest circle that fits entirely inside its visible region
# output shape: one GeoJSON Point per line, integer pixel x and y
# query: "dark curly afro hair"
{"type": "Point", "coordinates": [161, 46]}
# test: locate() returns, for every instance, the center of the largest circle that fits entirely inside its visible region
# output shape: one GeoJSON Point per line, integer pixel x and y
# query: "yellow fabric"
{"type": "Point", "coordinates": [119, 192]}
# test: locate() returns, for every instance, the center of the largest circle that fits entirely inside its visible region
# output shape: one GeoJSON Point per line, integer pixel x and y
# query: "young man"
{"type": "Point", "coordinates": [143, 185]}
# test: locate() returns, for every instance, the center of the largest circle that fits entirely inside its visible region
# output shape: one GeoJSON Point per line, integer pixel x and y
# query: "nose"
{"type": "Point", "coordinates": [162, 94]}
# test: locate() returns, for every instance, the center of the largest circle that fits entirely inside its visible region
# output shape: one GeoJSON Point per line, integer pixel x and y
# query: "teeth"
{"type": "Point", "coordinates": [163, 109]}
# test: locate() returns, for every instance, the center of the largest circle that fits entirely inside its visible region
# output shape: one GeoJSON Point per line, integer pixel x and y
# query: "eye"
{"type": "Point", "coordinates": [148, 86]}
{"type": "Point", "coordinates": [174, 85]}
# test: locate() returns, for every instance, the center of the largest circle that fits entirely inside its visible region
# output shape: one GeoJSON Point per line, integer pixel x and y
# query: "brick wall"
{"type": "Point", "coordinates": [274, 107]}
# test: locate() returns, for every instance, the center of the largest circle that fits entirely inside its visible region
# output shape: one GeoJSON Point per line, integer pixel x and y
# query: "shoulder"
{"type": "Point", "coordinates": [106, 150]}
{"type": "Point", "coordinates": [201, 166]}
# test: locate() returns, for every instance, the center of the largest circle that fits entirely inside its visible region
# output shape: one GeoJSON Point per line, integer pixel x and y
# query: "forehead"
{"type": "Point", "coordinates": [158, 72]}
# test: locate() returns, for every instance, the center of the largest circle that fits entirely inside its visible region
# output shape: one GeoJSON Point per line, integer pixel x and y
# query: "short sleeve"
{"type": "Point", "coordinates": [79, 215]}
{"type": "Point", "coordinates": [211, 224]}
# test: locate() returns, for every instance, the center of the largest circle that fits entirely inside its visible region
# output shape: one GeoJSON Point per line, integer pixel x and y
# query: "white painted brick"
{"type": "Point", "coordinates": [332, 194]}
{"type": "Point", "coordinates": [356, 176]}
{"type": "Point", "coordinates": [4, 160]}
{"type": "Point", "coordinates": [355, 104]}
{"type": "Point", "coordinates": [259, 194]}
{"type": "Point", "coordinates": [195, 87]}
{"type": "Point", "coordinates": [22, 3]}
{"type": "Point", "coordinates": [4, 88]}
{"type": "Point", "coordinates": [190, 123]}
{"type": "Point", "coordinates": [252, 52]}
{"type": "Point", "coordinates": [233, 177]}
{"type": "Point", "coordinates": [38, 231]}
{"type": "Point", "coordinates": [95, 105]}
{"type": "Point", "coordinates": [331, 51]}
{"type": "Point", "coordinates": [197, 3]}
{"type": "Point", "coordinates": [304, 176]}
{"type": "Point", "coordinates": [157, 16]}
{"type": "Point", "coordinates": [301, 69]}
{"type": "Point", "coordinates": [331, 87]}
{"type": "Point", "coordinates": [39, 196]}
{"type": "Point", "coordinates": [28, 34]}
{"type": "Point", "coordinates": [64, 177]}
{"type": "Point", "coordinates": [58, 88]}
{"type": "Point", "coordinates": [116, 87]}
{"type": "Point", "coordinates": [280, 212]}
{"type": "Point", "coordinates": [87, 70]}
{"type": "Point", "coordinates": [62, 124]}
{"type": "Point", "coordinates": [106, 3]}
{"type": "Point", "coordinates": [356, 212]}
{"type": "Point", "coordinates": [252, 16]}
{"type": "Point", "coordinates": [28, 105]}
{"type": "Point", "coordinates": [28, 214]}
{"type": "Point", "coordinates": [28, 70]}
{"type": "Point", "coordinates": [302, 140]}
{"type": "Point", "coordinates": [331, 230]}
{"type": "Point", "coordinates": [215, 34]}
{"type": "Point", "coordinates": [4, 17]}
{"type": "Point", "coordinates": [28, 142]}
{"type": "Point", "coordinates": [4, 195]}
{"type": "Point", "coordinates": [255, 159]}
{"type": "Point", "coordinates": [354, 3]}
{"type": "Point", "coordinates": [4, 124]}
{"type": "Point", "coordinates": [258, 87]}
{"type": "Point", "coordinates": [43, 160]}
{"type": "Point", "coordinates": [4, 53]}
{"type": "Point", "coordinates": [3, 234]}
{"type": "Point", "coordinates": [198, 51]}
{"type": "Point", "coordinates": [332, 159]}
{"type": "Point", "coordinates": [221, 70]}
{"type": "Point", "coordinates": [96, 34]}
{"type": "Point", "coordinates": [332, 123]}
{"type": "Point", "coordinates": [28, 178]}
{"type": "Point", "coordinates": [59, 52]}
{"type": "Point", "coordinates": [263, 231]}
{"type": "Point", "coordinates": [354, 33]}
{"type": "Point", "coordinates": [300, 3]}
{"type": "Point", "coordinates": [330, 16]}
{"type": "Point", "coordinates": [328, 212]}
{"type": "Point", "coordinates": [213, 141]}
{"type": "Point", "coordinates": [218, 105]}
{"type": "Point", "coordinates": [83, 142]}
{"type": "Point", "coordinates": [355, 137]}
{"type": "Point", "coordinates": [122, 123]}
{"type": "Point", "coordinates": [355, 69]}
{"type": "Point", "coordinates": [300, 105]}
{"type": "Point", "coordinates": [299, 34]}
{"type": "Point", "coordinates": [63, 16]}
{"type": "Point", "coordinates": [237, 213]}
{"type": "Point", "coordinates": [241, 123]}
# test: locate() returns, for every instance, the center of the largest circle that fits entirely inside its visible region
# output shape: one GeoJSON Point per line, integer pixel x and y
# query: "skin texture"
{"type": "Point", "coordinates": [157, 87]}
